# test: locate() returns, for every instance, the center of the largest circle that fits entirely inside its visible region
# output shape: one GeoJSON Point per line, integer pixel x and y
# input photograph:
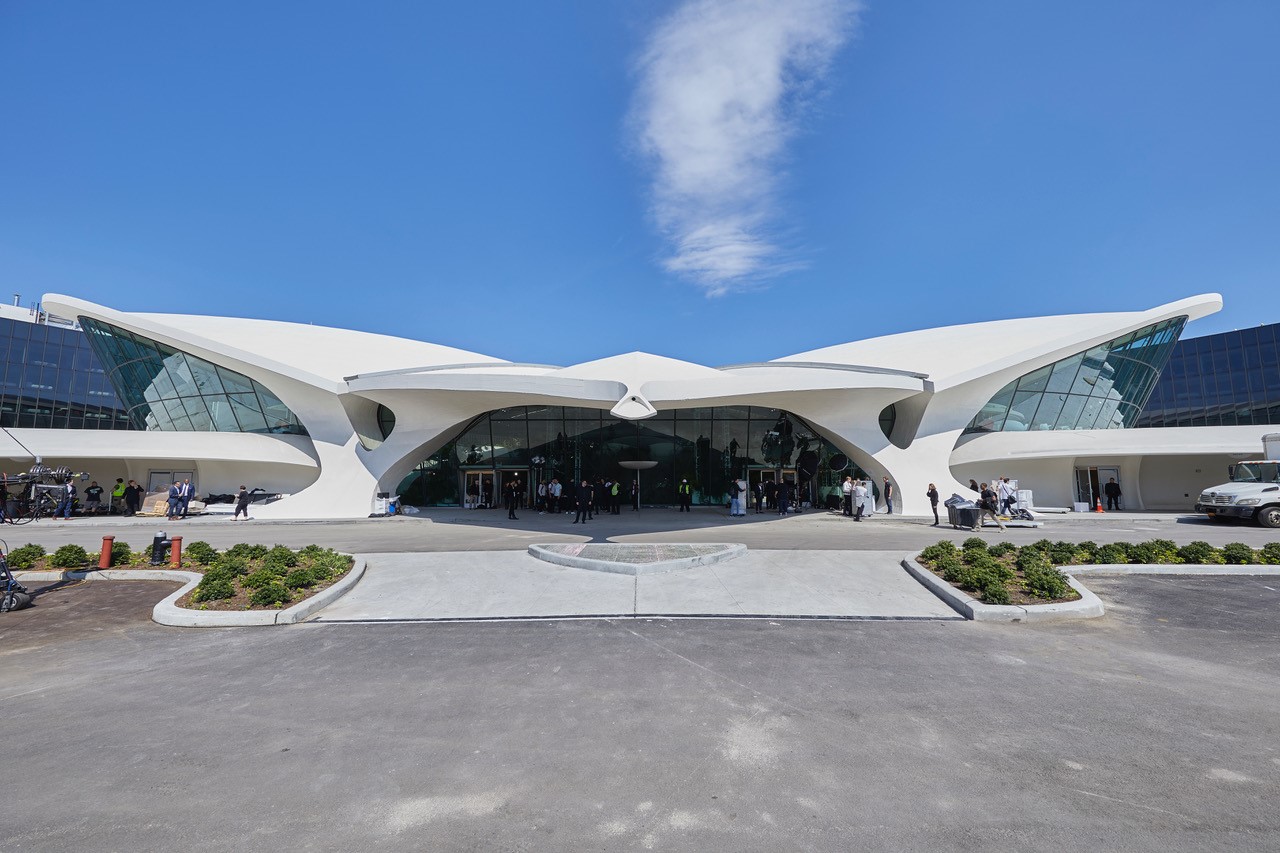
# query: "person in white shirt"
{"type": "Point", "coordinates": [846, 503]}
{"type": "Point", "coordinates": [1008, 495]}
{"type": "Point", "coordinates": [860, 498]}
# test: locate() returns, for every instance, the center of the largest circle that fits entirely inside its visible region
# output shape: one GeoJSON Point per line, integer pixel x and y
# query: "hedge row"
{"type": "Point", "coordinates": [271, 576]}
{"type": "Point", "coordinates": [993, 571]}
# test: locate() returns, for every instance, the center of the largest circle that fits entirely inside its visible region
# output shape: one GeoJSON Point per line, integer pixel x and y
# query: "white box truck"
{"type": "Point", "coordinates": [1253, 491]}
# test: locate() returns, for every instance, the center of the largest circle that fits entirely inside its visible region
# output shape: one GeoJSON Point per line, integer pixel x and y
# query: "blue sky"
{"type": "Point", "coordinates": [555, 182]}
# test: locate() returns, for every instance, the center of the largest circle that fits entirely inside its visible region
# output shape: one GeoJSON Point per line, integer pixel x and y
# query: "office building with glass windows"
{"type": "Point", "coordinates": [332, 418]}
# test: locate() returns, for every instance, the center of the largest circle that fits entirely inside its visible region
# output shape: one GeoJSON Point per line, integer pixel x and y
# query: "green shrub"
{"type": "Point", "coordinates": [121, 553]}
{"type": "Point", "coordinates": [953, 570]}
{"type": "Point", "coordinates": [995, 592]}
{"type": "Point", "coordinates": [270, 595]}
{"type": "Point", "coordinates": [1046, 582]}
{"type": "Point", "coordinates": [1041, 545]}
{"type": "Point", "coordinates": [279, 558]}
{"type": "Point", "coordinates": [1271, 553]}
{"type": "Point", "coordinates": [1001, 548]}
{"type": "Point", "coordinates": [321, 572]}
{"type": "Point", "coordinates": [260, 578]}
{"type": "Point", "coordinates": [69, 557]}
{"type": "Point", "coordinates": [300, 579]}
{"type": "Point", "coordinates": [975, 543]}
{"type": "Point", "coordinates": [1063, 553]}
{"type": "Point", "coordinates": [1087, 552]}
{"type": "Point", "coordinates": [200, 552]}
{"type": "Point", "coordinates": [1113, 553]}
{"type": "Point", "coordinates": [248, 552]}
{"type": "Point", "coordinates": [310, 552]}
{"type": "Point", "coordinates": [231, 564]}
{"type": "Point", "coordinates": [1237, 554]}
{"type": "Point", "coordinates": [931, 554]}
{"type": "Point", "coordinates": [214, 586]}
{"type": "Point", "coordinates": [1199, 553]}
{"type": "Point", "coordinates": [26, 556]}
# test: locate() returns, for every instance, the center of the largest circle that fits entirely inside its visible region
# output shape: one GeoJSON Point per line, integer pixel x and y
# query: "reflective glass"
{"type": "Point", "coordinates": [165, 389]}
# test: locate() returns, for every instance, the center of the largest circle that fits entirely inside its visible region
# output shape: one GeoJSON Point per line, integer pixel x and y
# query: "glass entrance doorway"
{"type": "Point", "coordinates": [765, 476]}
{"type": "Point", "coordinates": [1091, 484]}
{"type": "Point", "coordinates": [478, 489]}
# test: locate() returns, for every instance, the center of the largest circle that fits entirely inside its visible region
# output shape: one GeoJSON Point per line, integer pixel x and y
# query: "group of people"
{"type": "Point", "coordinates": [587, 499]}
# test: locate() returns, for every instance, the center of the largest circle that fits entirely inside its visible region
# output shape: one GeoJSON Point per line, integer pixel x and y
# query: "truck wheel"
{"type": "Point", "coordinates": [1269, 516]}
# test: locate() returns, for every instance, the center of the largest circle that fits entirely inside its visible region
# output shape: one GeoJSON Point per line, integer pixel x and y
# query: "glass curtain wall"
{"type": "Point", "coordinates": [1228, 379]}
{"type": "Point", "coordinates": [50, 379]}
{"type": "Point", "coordinates": [169, 390]}
{"type": "Point", "coordinates": [1103, 388]}
{"type": "Point", "coordinates": [707, 446]}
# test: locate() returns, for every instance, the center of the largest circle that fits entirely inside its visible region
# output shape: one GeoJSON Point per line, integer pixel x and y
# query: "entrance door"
{"type": "Point", "coordinates": [506, 475]}
{"type": "Point", "coordinates": [478, 490]}
{"type": "Point", "coordinates": [1091, 481]}
{"type": "Point", "coordinates": [158, 481]}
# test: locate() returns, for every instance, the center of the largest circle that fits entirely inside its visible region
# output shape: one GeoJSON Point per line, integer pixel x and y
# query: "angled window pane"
{"type": "Point", "coordinates": [247, 413]}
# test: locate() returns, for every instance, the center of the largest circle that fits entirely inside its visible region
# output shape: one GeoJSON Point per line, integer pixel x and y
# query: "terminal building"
{"type": "Point", "coordinates": [330, 418]}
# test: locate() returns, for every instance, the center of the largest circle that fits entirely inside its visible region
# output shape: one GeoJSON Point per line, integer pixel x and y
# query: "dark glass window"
{"type": "Point", "coordinates": [165, 389]}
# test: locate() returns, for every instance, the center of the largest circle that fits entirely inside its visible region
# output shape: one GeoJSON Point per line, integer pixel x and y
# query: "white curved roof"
{"type": "Point", "coordinates": [952, 354]}
{"type": "Point", "coordinates": [323, 351]}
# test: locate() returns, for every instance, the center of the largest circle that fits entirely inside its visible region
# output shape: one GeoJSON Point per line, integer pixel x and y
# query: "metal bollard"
{"type": "Point", "coordinates": [158, 544]}
{"type": "Point", "coordinates": [175, 553]}
{"type": "Point", "coordinates": [104, 559]}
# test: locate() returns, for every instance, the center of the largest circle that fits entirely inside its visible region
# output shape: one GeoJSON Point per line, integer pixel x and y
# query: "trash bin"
{"type": "Point", "coordinates": [966, 517]}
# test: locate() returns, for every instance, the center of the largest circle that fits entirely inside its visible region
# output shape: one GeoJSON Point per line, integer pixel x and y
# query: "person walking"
{"type": "Point", "coordinates": [735, 499]}
{"type": "Point", "coordinates": [553, 496]}
{"type": "Point", "coordinates": [685, 493]}
{"type": "Point", "coordinates": [512, 495]}
{"type": "Point", "coordinates": [583, 495]}
{"type": "Point", "coordinates": [635, 495]}
{"type": "Point", "coordinates": [783, 497]}
{"type": "Point", "coordinates": [846, 499]}
{"type": "Point", "coordinates": [615, 497]}
{"type": "Point", "coordinates": [771, 495]}
{"type": "Point", "coordinates": [933, 502]}
{"type": "Point", "coordinates": [987, 505]}
{"type": "Point", "coordinates": [1008, 495]}
{"type": "Point", "coordinates": [860, 498]}
{"type": "Point", "coordinates": [542, 497]}
{"type": "Point", "coordinates": [242, 504]}
{"type": "Point", "coordinates": [888, 497]}
{"type": "Point", "coordinates": [1112, 491]}
{"type": "Point", "coordinates": [66, 500]}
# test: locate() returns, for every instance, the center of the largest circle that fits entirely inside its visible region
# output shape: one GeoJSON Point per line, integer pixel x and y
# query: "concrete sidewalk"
{"type": "Point", "coordinates": [510, 585]}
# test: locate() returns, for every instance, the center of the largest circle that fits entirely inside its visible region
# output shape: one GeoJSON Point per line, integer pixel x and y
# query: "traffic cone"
{"type": "Point", "coordinates": [1099, 508]}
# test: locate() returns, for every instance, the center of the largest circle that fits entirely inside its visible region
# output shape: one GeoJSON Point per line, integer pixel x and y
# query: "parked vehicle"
{"type": "Point", "coordinates": [1252, 492]}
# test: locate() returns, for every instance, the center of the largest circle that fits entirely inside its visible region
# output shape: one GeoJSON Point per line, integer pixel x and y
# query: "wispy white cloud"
{"type": "Point", "coordinates": [722, 88]}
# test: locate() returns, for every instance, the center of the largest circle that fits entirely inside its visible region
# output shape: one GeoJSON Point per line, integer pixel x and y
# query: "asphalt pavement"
{"type": "Point", "coordinates": [1153, 728]}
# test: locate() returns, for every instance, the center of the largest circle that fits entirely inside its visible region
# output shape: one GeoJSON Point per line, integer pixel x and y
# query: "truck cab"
{"type": "Point", "coordinates": [1252, 492]}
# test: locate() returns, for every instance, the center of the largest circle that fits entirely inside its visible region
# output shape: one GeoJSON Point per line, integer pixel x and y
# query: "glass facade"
{"type": "Point", "coordinates": [169, 390]}
{"type": "Point", "coordinates": [1102, 388]}
{"type": "Point", "coordinates": [52, 380]}
{"type": "Point", "coordinates": [1228, 379]}
{"type": "Point", "coordinates": [708, 446]}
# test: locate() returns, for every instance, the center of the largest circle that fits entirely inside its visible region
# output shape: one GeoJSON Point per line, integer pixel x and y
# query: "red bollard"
{"type": "Point", "coordinates": [104, 559]}
{"type": "Point", "coordinates": [175, 553]}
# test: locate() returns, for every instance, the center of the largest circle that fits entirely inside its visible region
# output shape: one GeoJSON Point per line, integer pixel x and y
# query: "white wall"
{"type": "Point", "coordinates": [1173, 483]}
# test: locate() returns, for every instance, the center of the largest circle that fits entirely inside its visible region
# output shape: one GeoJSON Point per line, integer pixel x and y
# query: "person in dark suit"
{"type": "Point", "coordinates": [583, 496]}
{"type": "Point", "coordinates": [186, 492]}
{"type": "Point", "coordinates": [1112, 491]}
{"type": "Point", "coordinates": [175, 501]}
{"type": "Point", "coordinates": [771, 495]}
{"type": "Point", "coordinates": [757, 492]}
{"type": "Point", "coordinates": [783, 499]}
{"type": "Point", "coordinates": [512, 497]}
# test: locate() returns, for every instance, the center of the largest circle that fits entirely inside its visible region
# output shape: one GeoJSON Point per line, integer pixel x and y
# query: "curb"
{"type": "Point", "coordinates": [730, 551]}
{"type": "Point", "coordinates": [1088, 607]}
{"type": "Point", "coordinates": [167, 612]}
